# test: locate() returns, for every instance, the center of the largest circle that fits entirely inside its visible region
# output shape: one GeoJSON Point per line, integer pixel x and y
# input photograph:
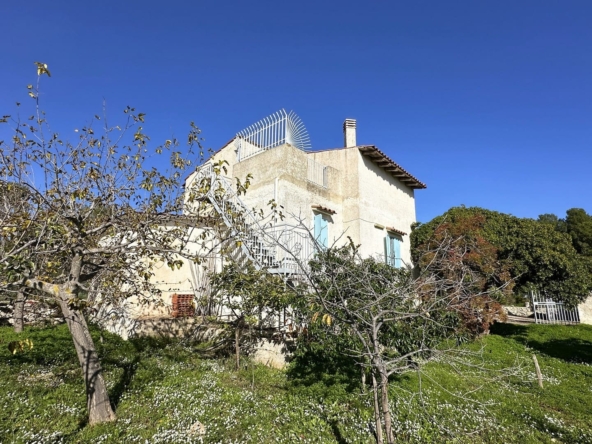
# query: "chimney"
{"type": "Point", "coordinates": [349, 133]}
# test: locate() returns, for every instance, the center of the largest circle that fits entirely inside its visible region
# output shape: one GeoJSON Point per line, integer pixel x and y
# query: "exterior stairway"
{"type": "Point", "coordinates": [276, 248]}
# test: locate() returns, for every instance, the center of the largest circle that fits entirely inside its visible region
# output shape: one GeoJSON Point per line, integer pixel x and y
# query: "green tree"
{"type": "Point", "coordinates": [554, 220]}
{"type": "Point", "coordinates": [579, 227]}
{"type": "Point", "coordinates": [254, 298]}
{"type": "Point", "coordinates": [391, 321]}
{"type": "Point", "coordinates": [535, 254]}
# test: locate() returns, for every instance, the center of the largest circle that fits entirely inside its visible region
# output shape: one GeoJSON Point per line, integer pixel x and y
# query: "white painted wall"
{"type": "Point", "coordinates": [585, 309]}
{"type": "Point", "coordinates": [385, 201]}
{"type": "Point", "coordinates": [361, 194]}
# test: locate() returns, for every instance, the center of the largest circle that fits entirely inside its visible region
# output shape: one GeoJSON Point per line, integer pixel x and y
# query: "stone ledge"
{"type": "Point", "coordinates": [524, 312]}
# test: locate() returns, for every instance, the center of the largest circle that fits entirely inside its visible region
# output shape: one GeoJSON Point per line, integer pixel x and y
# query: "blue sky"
{"type": "Point", "coordinates": [488, 102]}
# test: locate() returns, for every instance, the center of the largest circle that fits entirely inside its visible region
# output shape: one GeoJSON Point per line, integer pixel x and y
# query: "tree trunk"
{"type": "Point", "coordinates": [237, 346]}
{"type": "Point", "coordinates": [97, 397]}
{"type": "Point", "coordinates": [18, 312]}
{"type": "Point", "coordinates": [386, 411]}
{"type": "Point", "coordinates": [379, 439]}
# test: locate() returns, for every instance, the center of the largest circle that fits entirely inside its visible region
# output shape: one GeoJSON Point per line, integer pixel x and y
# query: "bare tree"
{"type": "Point", "coordinates": [92, 217]}
{"type": "Point", "coordinates": [398, 318]}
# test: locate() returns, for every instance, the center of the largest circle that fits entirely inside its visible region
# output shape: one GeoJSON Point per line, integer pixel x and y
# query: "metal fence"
{"type": "Point", "coordinates": [547, 311]}
{"type": "Point", "coordinates": [275, 130]}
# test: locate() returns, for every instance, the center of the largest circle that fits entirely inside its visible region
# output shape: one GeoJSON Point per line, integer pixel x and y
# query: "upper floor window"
{"type": "Point", "coordinates": [321, 229]}
{"type": "Point", "coordinates": [392, 250]}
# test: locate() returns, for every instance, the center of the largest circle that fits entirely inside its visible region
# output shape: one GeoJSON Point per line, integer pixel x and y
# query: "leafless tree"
{"type": "Point", "coordinates": [398, 318]}
{"type": "Point", "coordinates": [85, 221]}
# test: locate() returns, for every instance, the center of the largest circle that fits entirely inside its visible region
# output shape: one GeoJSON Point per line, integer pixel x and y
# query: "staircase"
{"type": "Point", "coordinates": [252, 242]}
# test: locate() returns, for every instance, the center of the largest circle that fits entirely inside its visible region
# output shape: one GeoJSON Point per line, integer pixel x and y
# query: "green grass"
{"type": "Point", "coordinates": [161, 388]}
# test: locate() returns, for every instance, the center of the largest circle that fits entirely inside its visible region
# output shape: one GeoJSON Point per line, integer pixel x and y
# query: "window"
{"type": "Point", "coordinates": [392, 250]}
{"type": "Point", "coordinates": [321, 229]}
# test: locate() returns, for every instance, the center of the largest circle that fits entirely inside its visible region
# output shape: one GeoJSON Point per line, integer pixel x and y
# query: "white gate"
{"type": "Point", "coordinates": [547, 311]}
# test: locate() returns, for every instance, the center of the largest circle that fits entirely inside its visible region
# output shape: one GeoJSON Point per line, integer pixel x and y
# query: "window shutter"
{"type": "Point", "coordinates": [387, 250]}
{"type": "Point", "coordinates": [321, 230]}
{"type": "Point", "coordinates": [317, 226]}
{"type": "Point", "coordinates": [392, 251]}
{"type": "Point", "coordinates": [397, 252]}
{"type": "Point", "coordinates": [324, 237]}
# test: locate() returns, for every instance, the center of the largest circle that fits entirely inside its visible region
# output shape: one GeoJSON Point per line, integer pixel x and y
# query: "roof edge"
{"type": "Point", "coordinates": [390, 166]}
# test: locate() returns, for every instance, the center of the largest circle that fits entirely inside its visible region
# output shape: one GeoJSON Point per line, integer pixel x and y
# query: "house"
{"type": "Point", "coordinates": [327, 196]}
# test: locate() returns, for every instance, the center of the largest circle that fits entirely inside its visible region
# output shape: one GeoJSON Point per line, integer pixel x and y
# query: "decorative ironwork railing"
{"type": "Point", "coordinates": [275, 130]}
{"type": "Point", "coordinates": [317, 173]}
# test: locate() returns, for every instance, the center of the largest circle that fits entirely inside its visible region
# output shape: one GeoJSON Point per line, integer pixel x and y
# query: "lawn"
{"type": "Point", "coordinates": [162, 388]}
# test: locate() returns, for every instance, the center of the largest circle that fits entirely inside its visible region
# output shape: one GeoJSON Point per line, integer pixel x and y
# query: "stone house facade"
{"type": "Point", "coordinates": [353, 192]}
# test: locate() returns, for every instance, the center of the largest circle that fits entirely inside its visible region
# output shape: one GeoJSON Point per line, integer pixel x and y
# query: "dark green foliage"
{"type": "Point", "coordinates": [321, 357]}
{"type": "Point", "coordinates": [255, 298]}
{"type": "Point", "coordinates": [354, 290]}
{"type": "Point", "coordinates": [553, 220]}
{"type": "Point", "coordinates": [537, 254]}
{"type": "Point", "coordinates": [579, 226]}
{"type": "Point", "coordinates": [248, 291]}
{"type": "Point", "coordinates": [548, 218]}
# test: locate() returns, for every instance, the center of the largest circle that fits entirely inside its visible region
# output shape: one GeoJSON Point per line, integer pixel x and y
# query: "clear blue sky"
{"type": "Point", "coordinates": [488, 102]}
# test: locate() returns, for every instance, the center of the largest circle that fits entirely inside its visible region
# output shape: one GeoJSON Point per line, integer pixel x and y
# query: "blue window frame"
{"type": "Point", "coordinates": [321, 230]}
{"type": "Point", "coordinates": [392, 250]}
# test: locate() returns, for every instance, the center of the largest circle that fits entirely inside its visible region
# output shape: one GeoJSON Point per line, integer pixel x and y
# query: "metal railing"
{"type": "Point", "coordinates": [283, 248]}
{"type": "Point", "coordinates": [317, 173]}
{"type": "Point", "coordinates": [292, 245]}
{"type": "Point", "coordinates": [547, 311]}
{"type": "Point", "coordinates": [275, 130]}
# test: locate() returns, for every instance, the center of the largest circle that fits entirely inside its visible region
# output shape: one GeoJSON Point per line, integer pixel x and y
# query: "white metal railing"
{"type": "Point", "coordinates": [282, 247]}
{"type": "Point", "coordinates": [317, 173]}
{"type": "Point", "coordinates": [292, 245]}
{"type": "Point", "coordinates": [237, 217]}
{"type": "Point", "coordinates": [275, 130]}
{"type": "Point", "coordinates": [547, 311]}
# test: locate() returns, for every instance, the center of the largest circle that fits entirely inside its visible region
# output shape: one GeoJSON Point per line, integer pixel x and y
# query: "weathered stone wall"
{"type": "Point", "coordinates": [362, 194]}
{"type": "Point", "coordinates": [35, 313]}
{"type": "Point", "coordinates": [387, 202]}
{"type": "Point", "coordinates": [365, 200]}
{"type": "Point", "coordinates": [270, 353]}
{"type": "Point", "coordinates": [519, 311]}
